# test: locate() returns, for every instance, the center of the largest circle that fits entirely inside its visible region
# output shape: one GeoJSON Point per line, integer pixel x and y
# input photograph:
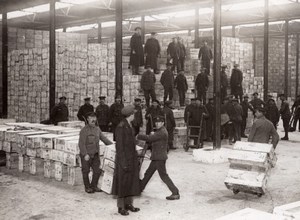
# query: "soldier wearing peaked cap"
{"type": "Point", "coordinates": [102, 113]}
{"type": "Point", "coordinates": [236, 81]}
{"type": "Point", "coordinates": [272, 112]}
{"type": "Point", "coordinates": [115, 115]}
{"type": "Point", "coordinates": [152, 52]}
{"type": "Point", "coordinates": [257, 102]}
{"type": "Point", "coordinates": [85, 109]}
{"type": "Point", "coordinates": [59, 112]}
{"type": "Point", "coordinates": [137, 122]}
{"type": "Point", "coordinates": [167, 81]}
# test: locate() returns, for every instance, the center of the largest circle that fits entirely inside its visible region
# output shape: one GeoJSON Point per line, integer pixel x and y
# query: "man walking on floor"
{"type": "Point", "coordinates": [159, 140]}
{"type": "Point", "coordinates": [285, 116]}
{"type": "Point", "coordinates": [167, 81]}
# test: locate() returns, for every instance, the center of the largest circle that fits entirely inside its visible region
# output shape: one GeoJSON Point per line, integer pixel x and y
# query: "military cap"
{"type": "Point", "coordinates": [128, 110]}
{"type": "Point", "coordinates": [261, 109]}
{"type": "Point", "coordinates": [169, 102]}
{"type": "Point", "coordinates": [147, 66]}
{"type": "Point", "coordinates": [236, 65]}
{"type": "Point", "coordinates": [271, 100]}
{"type": "Point", "coordinates": [193, 99]}
{"type": "Point", "coordinates": [235, 99]}
{"type": "Point", "coordinates": [87, 99]}
{"type": "Point", "coordinates": [169, 64]}
{"type": "Point", "coordinates": [137, 28]}
{"type": "Point", "coordinates": [281, 95]}
{"type": "Point", "coordinates": [63, 97]}
{"type": "Point", "coordinates": [255, 93]}
{"type": "Point", "coordinates": [102, 97]}
{"type": "Point", "coordinates": [210, 99]}
{"type": "Point", "coordinates": [159, 119]}
{"type": "Point", "coordinates": [155, 100]}
{"type": "Point", "coordinates": [91, 114]}
{"type": "Point", "coordinates": [153, 33]}
{"type": "Point", "coordinates": [246, 96]}
{"type": "Point", "coordinates": [137, 100]}
{"type": "Point", "coordinates": [223, 66]}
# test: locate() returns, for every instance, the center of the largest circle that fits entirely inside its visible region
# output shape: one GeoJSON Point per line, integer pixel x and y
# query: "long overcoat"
{"type": "Point", "coordinates": [152, 49]}
{"type": "Point", "coordinates": [126, 176]}
{"type": "Point", "coordinates": [137, 51]}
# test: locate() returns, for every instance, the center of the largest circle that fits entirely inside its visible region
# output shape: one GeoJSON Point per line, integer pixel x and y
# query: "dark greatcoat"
{"type": "Point", "coordinates": [59, 113]}
{"type": "Point", "coordinates": [167, 79]}
{"type": "Point", "coordinates": [205, 53]}
{"type": "Point", "coordinates": [115, 114]}
{"type": "Point", "coordinates": [137, 51]}
{"type": "Point", "coordinates": [126, 183]}
{"type": "Point", "coordinates": [169, 116]}
{"type": "Point", "coordinates": [102, 113]}
{"type": "Point", "coordinates": [181, 83]}
{"type": "Point", "coordinates": [196, 113]}
{"type": "Point", "coordinates": [152, 49]}
{"type": "Point", "coordinates": [173, 51]}
{"type": "Point", "coordinates": [236, 80]}
{"type": "Point", "coordinates": [256, 103]}
{"type": "Point", "coordinates": [272, 113]}
{"type": "Point", "coordinates": [84, 110]}
{"type": "Point", "coordinates": [202, 82]}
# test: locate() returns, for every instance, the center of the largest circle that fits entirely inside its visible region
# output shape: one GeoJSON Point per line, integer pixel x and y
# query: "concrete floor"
{"type": "Point", "coordinates": [202, 189]}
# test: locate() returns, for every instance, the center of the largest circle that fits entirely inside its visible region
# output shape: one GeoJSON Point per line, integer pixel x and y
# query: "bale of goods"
{"type": "Point", "coordinates": [250, 165]}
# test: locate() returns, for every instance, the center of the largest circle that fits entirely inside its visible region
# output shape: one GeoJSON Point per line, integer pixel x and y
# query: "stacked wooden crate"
{"type": "Point", "coordinates": [180, 129]}
{"type": "Point", "coordinates": [250, 165]}
{"type": "Point", "coordinates": [108, 166]}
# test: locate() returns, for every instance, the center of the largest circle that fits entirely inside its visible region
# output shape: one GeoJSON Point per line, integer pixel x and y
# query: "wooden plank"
{"type": "Point", "coordinates": [249, 158]}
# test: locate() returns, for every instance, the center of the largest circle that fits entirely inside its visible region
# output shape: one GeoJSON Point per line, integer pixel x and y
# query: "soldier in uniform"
{"type": "Point", "coordinates": [102, 113]}
{"type": "Point", "coordinates": [262, 129]}
{"type": "Point", "coordinates": [201, 85]}
{"type": "Point", "coordinates": [236, 81]}
{"type": "Point", "coordinates": [152, 112]}
{"type": "Point", "coordinates": [181, 85]}
{"type": "Point", "coordinates": [205, 55]}
{"type": "Point", "coordinates": [152, 52]}
{"type": "Point", "coordinates": [147, 85]}
{"type": "Point", "coordinates": [126, 183]}
{"type": "Point", "coordinates": [89, 152]}
{"type": "Point", "coordinates": [198, 113]}
{"type": "Point", "coordinates": [285, 116]}
{"type": "Point", "coordinates": [173, 54]}
{"type": "Point", "coordinates": [245, 106]}
{"type": "Point", "coordinates": [85, 109]}
{"type": "Point", "coordinates": [210, 119]}
{"type": "Point", "coordinates": [235, 113]}
{"type": "Point", "coordinates": [136, 51]}
{"type": "Point", "coordinates": [256, 102]}
{"type": "Point", "coordinates": [115, 115]}
{"type": "Point", "coordinates": [169, 123]}
{"type": "Point", "coordinates": [296, 111]}
{"type": "Point", "coordinates": [159, 140]}
{"type": "Point", "coordinates": [137, 122]}
{"type": "Point", "coordinates": [167, 81]}
{"type": "Point", "coordinates": [224, 82]}
{"type": "Point", "coordinates": [272, 113]}
{"type": "Point", "coordinates": [59, 112]}
{"type": "Point", "coordinates": [187, 110]}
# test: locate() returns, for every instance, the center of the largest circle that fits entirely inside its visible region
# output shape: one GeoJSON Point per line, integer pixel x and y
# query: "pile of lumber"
{"type": "Point", "coordinates": [250, 166]}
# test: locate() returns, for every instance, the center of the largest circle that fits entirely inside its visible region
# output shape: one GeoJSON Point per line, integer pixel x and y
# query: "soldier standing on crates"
{"type": "Point", "coordinates": [167, 81]}
{"type": "Point", "coordinates": [115, 115]}
{"type": "Point", "coordinates": [296, 112]}
{"type": "Point", "coordinates": [152, 112]}
{"type": "Point", "coordinates": [197, 118]}
{"type": "Point", "coordinates": [206, 55]}
{"type": "Point", "coordinates": [285, 116]}
{"type": "Point", "coordinates": [169, 123]}
{"type": "Point", "coordinates": [148, 85]}
{"type": "Point", "coordinates": [236, 81]}
{"type": "Point", "coordinates": [181, 85]}
{"type": "Point", "coordinates": [262, 129]}
{"type": "Point", "coordinates": [137, 122]}
{"type": "Point", "coordinates": [159, 140]}
{"type": "Point", "coordinates": [89, 152]}
{"type": "Point", "coordinates": [85, 109]}
{"type": "Point", "coordinates": [245, 106]}
{"type": "Point", "coordinates": [126, 183]}
{"type": "Point", "coordinates": [102, 113]}
{"type": "Point", "coordinates": [59, 112]}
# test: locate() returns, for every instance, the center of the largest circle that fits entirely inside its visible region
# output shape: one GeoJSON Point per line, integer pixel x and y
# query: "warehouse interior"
{"type": "Point", "coordinates": [81, 48]}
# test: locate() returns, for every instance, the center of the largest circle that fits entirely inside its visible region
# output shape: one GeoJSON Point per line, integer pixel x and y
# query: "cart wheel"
{"type": "Point", "coordinates": [235, 191]}
{"type": "Point", "coordinates": [259, 195]}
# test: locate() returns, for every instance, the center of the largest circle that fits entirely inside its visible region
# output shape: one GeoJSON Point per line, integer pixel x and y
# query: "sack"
{"type": "Point", "coordinates": [224, 118]}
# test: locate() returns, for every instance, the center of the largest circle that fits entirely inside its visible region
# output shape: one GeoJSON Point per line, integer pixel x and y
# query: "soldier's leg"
{"type": "Point", "coordinates": [96, 170]}
{"type": "Point", "coordinates": [170, 138]}
{"type": "Point", "coordinates": [204, 97]}
{"type": "Point", "coordinates": [147, 97]}
{"type": "Point", "coordinates": [171, 93]}
{"type": "Point", "coordinates": [152, 94]}
{"type": "Point", "coordinates": [243, 127]}
{"type": "Point", "coordinates": [161, 168]}
{"type": "Point", "coordinates": [148, 174]}
{"type": "Point", "coordinates": [85, 169]}
{"type": "Point", "coordinates": [166, 93]}
{"type": "Point", "coordinates": [183, 98]}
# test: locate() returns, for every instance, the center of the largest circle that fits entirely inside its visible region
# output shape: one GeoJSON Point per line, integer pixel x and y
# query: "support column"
{"type": "Point", "coordinates": [266, 51]}
{"type": "Point", "coordinates": [254, 55]}
{"type": "Point", "coordinates": [197, 43]}
{"type": "Point", "coordinates": [4, 65]}
{"type": "Point", "coordinates": [119, 76]}
{"type": "Point", "coordinates": [143, 27]}
{"type": "Point", "coordinates": [297, 64]}
{"type": "Point", "coordinates": [52, 55]}
{"type": "Point", "coordinates": [217, 72]}
{"type": "Point", "coordinates": [286, 59]}
{"type": "Point", "coordinates": [233, 31]}
{"type": "Point", "coordinates": [99, 39]}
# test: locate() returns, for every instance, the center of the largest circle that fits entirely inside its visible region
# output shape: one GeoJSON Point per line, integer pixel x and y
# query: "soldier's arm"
{"type": "Point", "coordinates": [275, 137]}
{"type": "Point", "coordinates": [104, 139]}
{"type": "Point", "coordinates": [252, 133]}
{"type": "Point", "coordinates": [149, 138]}
{"type": "Point", "coordinates": [81, 142]}
{"type": "Point", "coordinates": [79, 115]}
